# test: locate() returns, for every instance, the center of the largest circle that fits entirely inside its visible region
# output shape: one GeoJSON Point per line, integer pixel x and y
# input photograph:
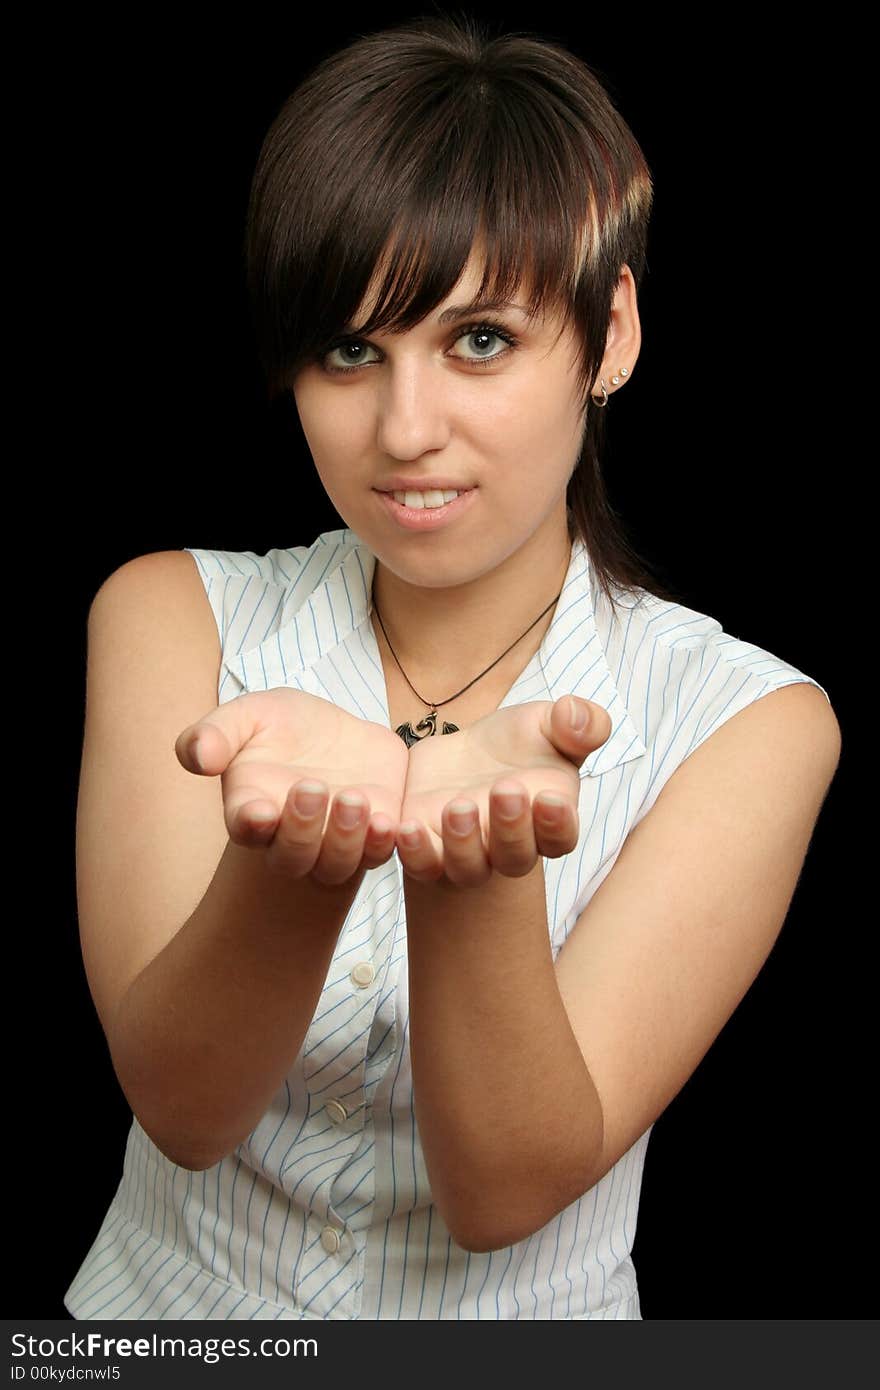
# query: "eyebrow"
{"type": "Point", "coordinates": [479, 306]}
{"type": "Point", "coordinates": [463, 311]}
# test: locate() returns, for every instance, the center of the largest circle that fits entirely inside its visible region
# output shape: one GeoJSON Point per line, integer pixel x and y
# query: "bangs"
{"type": "Point", "coordinates": [380, 177]}
{"type": "Point", "coordinates": [416, 273]}
{"type": "Point", "coordinates": [412, 272]}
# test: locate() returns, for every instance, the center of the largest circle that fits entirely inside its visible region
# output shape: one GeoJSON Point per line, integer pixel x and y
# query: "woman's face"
{"type": "Point", "coordinates": [439, 402]}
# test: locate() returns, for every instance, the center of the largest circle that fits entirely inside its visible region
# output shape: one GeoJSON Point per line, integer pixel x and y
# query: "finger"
{"type": "Point", "coordinates": [208, 746]}
{"type": "Point", "coordinates": [465, 862]}
{"type": "Point", "coordinates": [342, 847]}
{"type": "Point", "coordinates": [379, 842]}
{"type": "Point", "coordinates": [512, 849]}
{"type": "Point", "coordinates": [556, 825]}
{"type": "Point", "coordinates": [251, 818]}
{"type": "Point", "coordinates": [576, 744]}
{"type": "Point", "coordinates": [296, 840]}
{"type": "Point", "coordinates": [418, 856]}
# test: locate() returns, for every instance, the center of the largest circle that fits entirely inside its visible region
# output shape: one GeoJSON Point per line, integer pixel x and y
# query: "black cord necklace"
{"type": "Point", "coordinates": [428, 725]}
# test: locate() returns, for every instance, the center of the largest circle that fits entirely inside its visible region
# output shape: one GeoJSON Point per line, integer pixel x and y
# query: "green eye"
{"type": "Point", "coordinates": [495, 330]}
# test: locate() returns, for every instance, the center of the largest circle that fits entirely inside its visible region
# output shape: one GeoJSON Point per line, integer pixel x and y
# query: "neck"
{"type": "Point", "coordinates": [446, 634]}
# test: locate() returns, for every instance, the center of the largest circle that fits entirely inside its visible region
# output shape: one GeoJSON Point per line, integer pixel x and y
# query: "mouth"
{"type": "Point", "coordinates": [427, 518]}
{"type": "Point", "coordinates": [423, 491]}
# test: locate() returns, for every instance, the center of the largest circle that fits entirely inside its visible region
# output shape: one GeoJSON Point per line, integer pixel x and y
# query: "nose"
{"type": "Point", "coordinates": [411, 409]}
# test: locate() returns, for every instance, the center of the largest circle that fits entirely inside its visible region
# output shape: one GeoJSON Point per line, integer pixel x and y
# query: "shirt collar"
{"type": "Point", "coordinates": [327, 647]}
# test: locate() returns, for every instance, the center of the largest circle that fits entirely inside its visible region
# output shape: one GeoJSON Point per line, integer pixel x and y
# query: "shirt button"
{"type": "Point", "coordinates": [336, 1112]}
{"type": "Point", "coordinates": [330, 1239]}
{"type": "Point", "coordinates": [363, 973]}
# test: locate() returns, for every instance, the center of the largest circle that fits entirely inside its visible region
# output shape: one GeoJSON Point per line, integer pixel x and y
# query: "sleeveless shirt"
{"type": "Point", "coordinates": [324, 1211]}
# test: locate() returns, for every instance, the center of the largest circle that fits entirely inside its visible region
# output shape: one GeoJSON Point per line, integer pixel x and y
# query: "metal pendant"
{"type": "Point", "coordinates": [428, 725]}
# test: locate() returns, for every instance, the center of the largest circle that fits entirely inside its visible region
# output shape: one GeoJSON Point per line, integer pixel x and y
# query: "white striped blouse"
{"type": "Point", "coordinates": [325, 1211]}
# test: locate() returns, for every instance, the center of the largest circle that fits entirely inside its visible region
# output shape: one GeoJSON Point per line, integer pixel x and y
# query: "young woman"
{"type": "Point", "coordinates": [419, 866]}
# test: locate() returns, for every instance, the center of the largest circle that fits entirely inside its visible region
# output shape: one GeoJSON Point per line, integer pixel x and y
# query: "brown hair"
{"type": "Point", "coordinates": [406, 148]}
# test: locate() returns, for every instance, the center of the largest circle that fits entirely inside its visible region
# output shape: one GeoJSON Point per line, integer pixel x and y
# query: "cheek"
{"type": "Point", "coordinates": [558, 433]}
{"type": "Point", "coordinates": [544, 434]}
{"type": "Point", "coordinates": [330, 432]}
{"type": "Point", "coordinates": [536, 412]}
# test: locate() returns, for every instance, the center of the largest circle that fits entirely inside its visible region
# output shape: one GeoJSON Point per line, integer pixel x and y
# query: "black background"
{"type": "Point", "coordinates": [151, 432]}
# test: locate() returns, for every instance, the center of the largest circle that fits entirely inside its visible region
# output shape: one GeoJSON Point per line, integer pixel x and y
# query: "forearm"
{"type": "Point", "coordinates": [204, 1036]}
{"type": "Point", "coordinates": [509, 1118]}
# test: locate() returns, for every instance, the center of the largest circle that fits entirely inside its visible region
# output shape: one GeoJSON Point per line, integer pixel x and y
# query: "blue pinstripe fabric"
{"type": "Point", "coordinates": [249, 1238]}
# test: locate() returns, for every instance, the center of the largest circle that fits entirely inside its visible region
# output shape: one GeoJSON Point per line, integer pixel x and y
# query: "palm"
{"type": "Point", "coordinates": [508, 743]}
{"type": "Point", "coordinates": [303, 736]}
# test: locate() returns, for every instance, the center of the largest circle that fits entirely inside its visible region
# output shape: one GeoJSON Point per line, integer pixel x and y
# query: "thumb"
{"type": "Point", "coordinates": [577, 744]}
{"type": "Point", "coordinates": [208, 746]}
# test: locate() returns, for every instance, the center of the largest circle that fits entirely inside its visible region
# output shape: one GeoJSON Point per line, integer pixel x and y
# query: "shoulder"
{"type": "Point", "coordinates": [254, 594]}
{"type": "Point", "coordinates": [164, 580]}
{"type": "Point", "coordinates": [251, 597]}
{"type": "Point", "coordinates": [683, 677]}
{"type": "Point", "coordinates": [667, 648]}
{"type": "Point", "coordinates": [790, 731]}
{"type": "Point", "coordinates": [287, 568]}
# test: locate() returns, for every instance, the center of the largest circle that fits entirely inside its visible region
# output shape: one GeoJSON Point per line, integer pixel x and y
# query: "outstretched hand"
{"type": "Point", "coordinates": [269, 746]}
{"type": "Point", "coordinates": [316, 788]}
{"type": "Point", "coordinates": [527, 751]}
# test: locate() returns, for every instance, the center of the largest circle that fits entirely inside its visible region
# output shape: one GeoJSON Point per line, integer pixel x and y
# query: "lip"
{"type": "Point", "coordinates": [439, 482]}
{"type": "Point", "coordinates": [427, 518]}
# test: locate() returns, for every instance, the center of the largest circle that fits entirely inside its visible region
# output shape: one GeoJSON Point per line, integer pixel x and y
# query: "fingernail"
{"type": "Point", "coordinates": [510, 804]}
{"type": "Point", "coordinates": [577, 714]}
{"type": "Point", "coordinates": [194, 754]}
{"type": "Point", "coordinates": [409, 835]}
{"type": "Point", "coordinates": [308, 797]}
{"type": "Point", "coordinates": [350, 811]}
{"type": "Point", "coordinates": [461, 817]}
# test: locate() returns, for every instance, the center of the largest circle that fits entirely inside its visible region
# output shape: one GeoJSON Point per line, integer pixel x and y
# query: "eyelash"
{"type": "Point", "coordinates": [484, 326]}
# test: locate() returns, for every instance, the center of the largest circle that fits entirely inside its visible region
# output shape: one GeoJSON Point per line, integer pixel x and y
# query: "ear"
{"type": "Point", "coordinates": [624, 339]}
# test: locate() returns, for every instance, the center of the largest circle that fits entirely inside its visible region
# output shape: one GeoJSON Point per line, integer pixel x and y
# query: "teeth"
{"type": "Point", "coordinates": [425, 499]}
